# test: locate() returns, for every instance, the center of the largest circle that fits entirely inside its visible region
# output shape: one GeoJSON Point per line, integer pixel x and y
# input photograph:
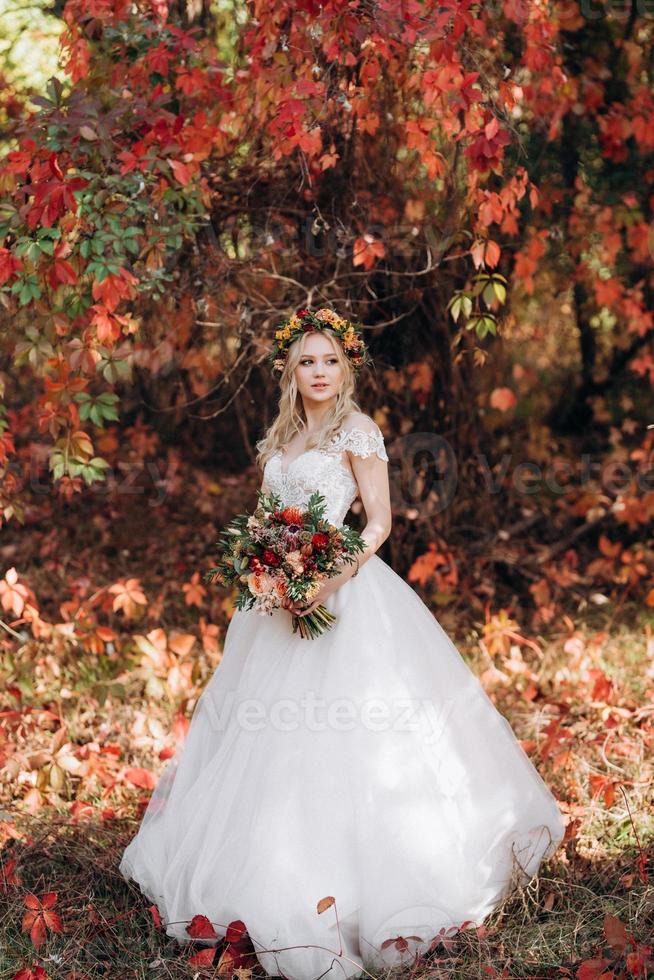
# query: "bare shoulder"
{"type": "Point", "coordinates": [360, 421]}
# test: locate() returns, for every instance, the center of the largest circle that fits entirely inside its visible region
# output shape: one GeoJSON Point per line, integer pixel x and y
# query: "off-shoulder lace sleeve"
{"type": "Point", "coordinates": [362, 441]}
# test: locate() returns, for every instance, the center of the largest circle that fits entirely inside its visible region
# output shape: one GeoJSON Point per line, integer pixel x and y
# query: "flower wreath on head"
{"type": "Point", "coordinates": [306, 321]}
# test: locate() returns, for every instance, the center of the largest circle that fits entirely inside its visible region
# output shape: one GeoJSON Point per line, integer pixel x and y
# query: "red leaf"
{"type": "Point", "coordinates": [38, 931]}
{"type": "Point", "coordinates": [202, 958]}
{"type": "Point", "coordinates": [62, 271]}
{"type": "Point", "coordinates": [615, 932]}
{"type": "Point", "coordinates": [235, 931]}
{"type": "Point", "coordinates": [200, 928]}
{"type": "Point", "coordinates": [8, 265]}
{"type": "Point", "coordinates": [602, 685]}
{"type": "Point", "coordinates": [593, 969]}
{"type": "Point", "coordinates": [156, 918]}
{"type": "Point", "coordinates": [54, 167]}
{"type": "Point", "coordinates": [53, 921]}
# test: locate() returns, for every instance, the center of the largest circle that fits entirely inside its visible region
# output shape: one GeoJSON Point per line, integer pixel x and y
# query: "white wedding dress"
{"type": "Point", "coordinates": [368, 765]}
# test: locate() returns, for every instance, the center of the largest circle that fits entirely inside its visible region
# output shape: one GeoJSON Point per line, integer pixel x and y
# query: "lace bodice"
{"type": "Point", "coordinates": [325, 470]}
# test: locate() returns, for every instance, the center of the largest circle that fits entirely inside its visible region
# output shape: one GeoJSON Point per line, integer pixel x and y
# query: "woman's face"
{"type": "Point", "coordinates": [319, 374]}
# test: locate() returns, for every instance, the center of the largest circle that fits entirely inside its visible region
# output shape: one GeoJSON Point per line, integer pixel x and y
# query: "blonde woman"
{"type": "Point", "coordinates": [367, 765]}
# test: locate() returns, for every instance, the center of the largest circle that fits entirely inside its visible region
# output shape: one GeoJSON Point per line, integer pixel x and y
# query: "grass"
{"type": "Point", "coordinates": [555, 922]}
{"type": "Point", "coordinates": [547, 929]}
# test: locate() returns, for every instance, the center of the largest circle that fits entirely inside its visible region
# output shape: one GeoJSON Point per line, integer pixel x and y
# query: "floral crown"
{"type": "Point", "coordinates": [306, 321]}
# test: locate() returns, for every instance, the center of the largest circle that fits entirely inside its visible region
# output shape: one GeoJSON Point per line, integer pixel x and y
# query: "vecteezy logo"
{"type": "Point", "coordinates": [423, 473]}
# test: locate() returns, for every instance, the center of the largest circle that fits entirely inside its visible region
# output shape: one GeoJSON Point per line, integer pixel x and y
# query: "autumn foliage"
{"type": "Point", "coordinates": [472, 181]}
{"type": "Point", "coordinates": [409, 134]}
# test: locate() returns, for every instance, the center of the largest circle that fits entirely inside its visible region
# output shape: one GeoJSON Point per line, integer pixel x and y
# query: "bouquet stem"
{"type": "Point", "coordinates": [314, 624]}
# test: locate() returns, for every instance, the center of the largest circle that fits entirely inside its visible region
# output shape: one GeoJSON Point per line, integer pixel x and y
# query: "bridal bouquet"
{"type": "Point", "coordinates": [278, 553]}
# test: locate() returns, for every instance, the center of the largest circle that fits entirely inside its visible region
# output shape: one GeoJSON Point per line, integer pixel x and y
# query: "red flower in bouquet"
{"type": "Point", "coordinates": [292, 515]}
{"type": "Point", "coordinates": [270, 558]}
{"type": "Point", "coordinates": [320, 541]}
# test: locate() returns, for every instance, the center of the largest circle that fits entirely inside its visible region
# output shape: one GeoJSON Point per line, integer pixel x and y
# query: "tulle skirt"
{"type": "Point", "coordinates": [367, 765]}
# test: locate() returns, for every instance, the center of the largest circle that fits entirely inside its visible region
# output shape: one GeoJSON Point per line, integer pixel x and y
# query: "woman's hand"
{"type": "Point", "coordinates": [328, 588]}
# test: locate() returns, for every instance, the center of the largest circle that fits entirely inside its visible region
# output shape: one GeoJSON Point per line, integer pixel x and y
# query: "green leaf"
{"type": "Point", "coordinates": [500, 291]}
{"type": "Point", "coordinates": [47, 246]}
{"type": "Point", "coordinates": [93, 473]}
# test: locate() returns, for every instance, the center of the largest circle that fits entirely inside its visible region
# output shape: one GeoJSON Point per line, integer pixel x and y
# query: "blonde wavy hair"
{"type": "Point", "coordinates": [291, 418]}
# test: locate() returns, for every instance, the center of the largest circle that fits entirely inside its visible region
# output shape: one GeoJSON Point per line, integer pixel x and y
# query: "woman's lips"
{"type": "Point", "coordinates": [320, 386]}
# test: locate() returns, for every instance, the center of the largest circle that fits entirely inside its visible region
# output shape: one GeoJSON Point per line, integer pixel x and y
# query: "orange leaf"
{"type": "Point", "coordinates": [128, 595]}
{"type": "Point", "coordinates": [425, 565]}
{"type": "Point", "coordinates": [195, 592]}
{"type": "Point", "coordinates": [141, 777]}
{"type": "Point", "coordinates": [607, 292]}
{"type": "Point", "coordinates": [228, 963]}
{"type": "Point", "coordinates": [181, 643]}
{"type": "Point", "coordinates": [366, 251]}
{"type": "Point", "coordinates": [602, 685]}
{"type": "Point", "coordinates": [203, 958]}
{"type": "Point", "coordinates": [325, 903]}
{"type": "Point", "coordinates": [503, 399]}
{"type": "Point", "coordinates": [181, 171]}
{"type": "Point", "coordinates": [616, 933]}
{"type": "Point", "coordinates": [492, 254]}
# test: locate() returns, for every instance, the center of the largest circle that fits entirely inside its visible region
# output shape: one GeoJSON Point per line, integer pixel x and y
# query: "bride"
{"type": "Point", "coordinates": [367, 765]}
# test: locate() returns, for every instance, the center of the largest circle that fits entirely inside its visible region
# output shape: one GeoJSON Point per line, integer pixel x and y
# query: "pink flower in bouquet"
{"type": "Point", "coordinates": [261, 583]}
{"type": "Point", "coordinates": [294, 560]}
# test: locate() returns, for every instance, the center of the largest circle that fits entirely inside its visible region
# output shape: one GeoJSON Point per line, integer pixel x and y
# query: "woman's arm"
{"type": "Point", "coordinates": [371, 474]}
